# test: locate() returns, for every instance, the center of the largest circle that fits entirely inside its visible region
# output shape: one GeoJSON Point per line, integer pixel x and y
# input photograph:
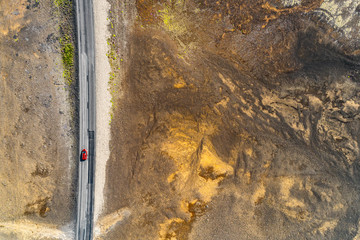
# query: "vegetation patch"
{"type": "Point", "coordinates": [68, 54]}
{"type": "Point", "coordinates": [64, 8]}
{"type": "Point", "coordinates": [64, 5]}
{"type": "Point", "coordinates": [115, 60]}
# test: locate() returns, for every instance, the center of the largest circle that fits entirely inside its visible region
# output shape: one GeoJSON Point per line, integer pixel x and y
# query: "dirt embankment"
{"type": "Point", "coordinates": [37, 129]}
{"type": "Point", "coordinates": [235, 120]}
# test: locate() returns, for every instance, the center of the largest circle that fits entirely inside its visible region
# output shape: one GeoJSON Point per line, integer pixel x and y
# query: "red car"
{"type": "Point", "coordinates": [84, 154]}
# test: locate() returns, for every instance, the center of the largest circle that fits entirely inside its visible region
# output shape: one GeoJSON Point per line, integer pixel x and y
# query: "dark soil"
{"type": "Point", "coordinates": [268, 115]}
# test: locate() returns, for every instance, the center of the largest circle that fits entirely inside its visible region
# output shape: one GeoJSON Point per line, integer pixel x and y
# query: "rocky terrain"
{"type": "Point", "coordinates": [37, 124]}
{"type": "Point", "coordinates": [234, 120]}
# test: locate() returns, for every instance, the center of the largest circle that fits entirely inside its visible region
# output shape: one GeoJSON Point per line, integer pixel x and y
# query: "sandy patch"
{"type": "Point", "coordinates": [12, 14]}
{"type": "Point", "coordinates": [30, 231]}
{"type": "Point", "coordinates": [103, 99]}
{"type": "Point", "coordinates": [110, 220]}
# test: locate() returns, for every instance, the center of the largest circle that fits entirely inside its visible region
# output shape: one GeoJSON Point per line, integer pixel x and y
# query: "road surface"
{"type": "Point", "coordinates": [86, 61]}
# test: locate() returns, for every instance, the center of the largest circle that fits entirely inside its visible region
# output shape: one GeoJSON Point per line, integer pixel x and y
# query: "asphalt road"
{"type": "Point", "coordinates": [86, 61]}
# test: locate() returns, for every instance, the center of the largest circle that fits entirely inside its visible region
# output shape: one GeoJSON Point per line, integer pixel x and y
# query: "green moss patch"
{"type": "Point", "coordinates": [64, 8]}
{"type": "Point", "coordinates": [67, 53]}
